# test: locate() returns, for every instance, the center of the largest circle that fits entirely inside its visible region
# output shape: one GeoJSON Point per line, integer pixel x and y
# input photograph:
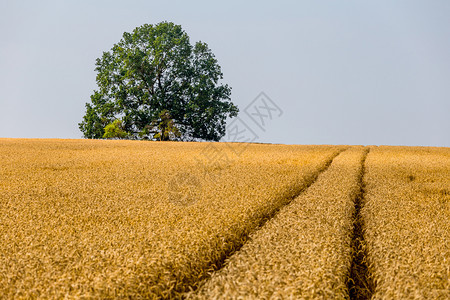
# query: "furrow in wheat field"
{"type": "Point", "coordinates": [109, 219]}
{"type": "Point", "coordinates": [305, 250]}
{"type": "Point", "coordinates": [407, 222]}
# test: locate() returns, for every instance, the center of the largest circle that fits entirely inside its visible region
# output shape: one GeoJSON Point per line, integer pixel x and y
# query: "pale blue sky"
{"type": "Point", "coordinates": [343, 72]}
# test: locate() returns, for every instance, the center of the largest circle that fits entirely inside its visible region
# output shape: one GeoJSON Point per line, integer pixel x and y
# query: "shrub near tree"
{"type": "Point", "coordinates": [154, 75]}
{"type": "Point", "coordinates": [114, 130]}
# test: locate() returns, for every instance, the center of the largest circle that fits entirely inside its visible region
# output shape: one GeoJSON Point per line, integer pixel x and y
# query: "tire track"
{"type": "Point", "coordinates": [360, 283]}
{"type": "Point", "coordinates": [219, 264]}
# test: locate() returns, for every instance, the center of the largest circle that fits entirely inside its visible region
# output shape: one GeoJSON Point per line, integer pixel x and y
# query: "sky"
{"type": "Point", "coordinates": [331, 72]}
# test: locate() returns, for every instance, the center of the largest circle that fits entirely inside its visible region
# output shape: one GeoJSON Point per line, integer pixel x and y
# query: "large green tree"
{"type": "Point", "coordinates": [156, 70]}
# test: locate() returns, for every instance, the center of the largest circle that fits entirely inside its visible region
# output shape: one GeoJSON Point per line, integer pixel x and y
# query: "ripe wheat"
{"type": "Point", "coordinates": [304, 252]}
{"type": "Point", "coordinates": [407, 222]}
{"type": "Point", "coordinates": [101, 219]}
{"type": "Point", "coordinates": [128, 219]}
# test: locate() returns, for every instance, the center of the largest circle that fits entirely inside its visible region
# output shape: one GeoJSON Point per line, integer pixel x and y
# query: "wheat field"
{"type": "Point", "coordinates": [96, 219]}
{"type": "Point", "coordinates": [305, 250]}
{"type": "Point", "coordinates": [407, 222]}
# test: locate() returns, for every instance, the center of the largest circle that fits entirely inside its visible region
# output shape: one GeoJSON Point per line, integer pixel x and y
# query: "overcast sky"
{"type": "Point", "coordinates": [341, 72]}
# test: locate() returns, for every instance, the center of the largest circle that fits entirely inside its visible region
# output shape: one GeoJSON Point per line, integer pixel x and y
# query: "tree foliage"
{"type": "Point", "coordinates": [152, 70]}
{"type": "Point", "coordinates": [165, 127]}
{"type": "Point", "coordinates": [114, 131]}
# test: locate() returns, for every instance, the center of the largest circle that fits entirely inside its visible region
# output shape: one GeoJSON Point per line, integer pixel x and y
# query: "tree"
{"type": "Point", "coordinates": [153, 70]}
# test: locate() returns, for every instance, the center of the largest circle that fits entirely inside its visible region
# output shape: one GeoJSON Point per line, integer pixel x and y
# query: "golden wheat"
{"type": "Point", "coordinates": [108, 219]}
{"type": "Point", "coordinates": [114, 219]}
{"type": "Point", "coordinates": [305, 250]}
{"type": "Point", "coordinates": [407, 222]}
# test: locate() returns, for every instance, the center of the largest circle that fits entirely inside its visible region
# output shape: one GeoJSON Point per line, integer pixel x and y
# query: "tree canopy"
{"type": "Point", "coordinates": [153, 74]}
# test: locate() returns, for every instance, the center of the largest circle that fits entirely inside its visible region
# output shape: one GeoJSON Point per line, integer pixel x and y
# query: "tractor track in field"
{"type": "Point", "coordinates": [360, 284]}
{"type": "Point", "coordinates": [219, 264]}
